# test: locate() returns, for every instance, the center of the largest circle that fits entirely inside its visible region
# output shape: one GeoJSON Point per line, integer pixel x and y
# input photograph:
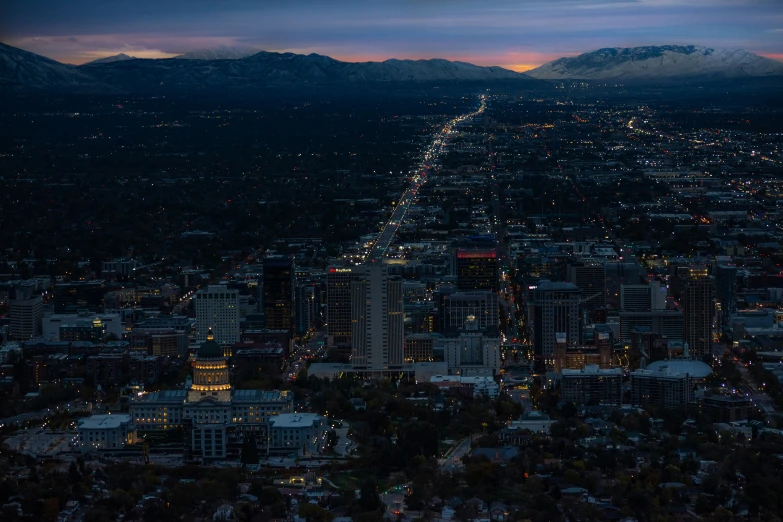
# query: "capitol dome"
{"type": "Point", "coordinates": [210, 349]}
{"type": "Point", "coordinates": [695, 369]}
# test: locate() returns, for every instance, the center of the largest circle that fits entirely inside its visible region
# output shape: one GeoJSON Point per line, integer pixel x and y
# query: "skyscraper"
{"type": "Point", "coordinates": [377, 320]}
{"type": "Point", "coordinates": [69, 298]}
{"type": "Point", "coordinates": [338, 303]}
{"type": "Point", "coordinates": [726, 290]}
{"type": "Point", "coordinates": [217, 307]}
{"type": "Point", "coordinates": [664, 322]}
{"type": "Point", "coordinates": [456, 307]}
{"type": "Point", "coordinates": [699, 310]}
{"type": "Point", "coordinates": [477, 269]}
{"type": "Point", "coordinates": [305, 307]}
{"type": "Point", "coordinates": [590, 278]}
{"type": "Point", "coordinates": [26, 318]}
{"type": "Point", "coordinates": [472, 352]}
{"type": "Point", "coordinates": [555, 309]}
{"type": "Point", "coordinates": [279, 292]}
{"type": "Point", "coordinates": [642, 298]}
{"type": "Point", "coordinates": [617, 274]}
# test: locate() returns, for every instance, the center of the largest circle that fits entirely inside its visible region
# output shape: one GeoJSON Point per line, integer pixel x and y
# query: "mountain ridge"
{"type": "Point", "coordinates": [25, 71]}
{"type": "Point", "coordinates": [217, 53]}
{"type": "Point", "coordinates": [23, 68]}
{"type": "Point", "coordinates": [664, 62]}
{"type": "Point", "coordinates": [109, 59]}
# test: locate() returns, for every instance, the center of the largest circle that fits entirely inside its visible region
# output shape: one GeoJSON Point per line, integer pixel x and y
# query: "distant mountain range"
{"type": "Point", "coordinates": [228, 68]}
{"type": "Point", "coordinates": [109, 59]}
{"type": "Point", "coordinates": [218, 53]}
{"type": "Point", "coordinates": [24, 71]}
{"type": "Point", "coordinates": [659, 63]}
{"type": "Point", "coordinates": [21, 70]}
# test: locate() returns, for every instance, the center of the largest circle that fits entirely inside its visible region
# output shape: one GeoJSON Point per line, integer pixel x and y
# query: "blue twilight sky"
{"type": "Point", "coordinates": [518, 34]}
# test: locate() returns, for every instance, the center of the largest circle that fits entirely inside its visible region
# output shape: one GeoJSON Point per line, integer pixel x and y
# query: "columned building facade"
{"type": "Point", "coordinates": [209, 410]}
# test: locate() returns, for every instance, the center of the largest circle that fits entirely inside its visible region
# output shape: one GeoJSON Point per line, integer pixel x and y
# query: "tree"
{"type": "Point", "coordinates": [73, 473]}
{"type": "Point", "coordinates": [369, 500]}
{"type": "Point", "coordinates": [568, 410]}
{"type": "Point", "coordinates": [419, 439]}
{"type": "Point", "coordinates": [314, 513]}
{"type": "Point", "coordinates": [51, 508]}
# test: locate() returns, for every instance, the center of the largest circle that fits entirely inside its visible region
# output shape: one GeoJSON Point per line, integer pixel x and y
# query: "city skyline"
{"type": "Point", "coordinates": [499, 32]}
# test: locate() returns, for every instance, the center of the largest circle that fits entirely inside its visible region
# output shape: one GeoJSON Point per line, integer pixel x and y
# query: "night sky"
{"type": "Point", "coordinates": [517, 34]}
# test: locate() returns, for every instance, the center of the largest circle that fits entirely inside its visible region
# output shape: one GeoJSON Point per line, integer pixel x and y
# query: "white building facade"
{"type": "Point", "coordinates": [106, 432]}
{"type": "Point", "coordinates": [209, 408]}
{"type": "Point", "coordinates": [217, 308]}
{"type": "Point", "coordinates": [473, 352]}
{"type": "Point", "coordinates": [377, 320]}
{"type": "Point", "coordinates": [26, 315]}
{"type": "Point", "coordinates": [297, 434]}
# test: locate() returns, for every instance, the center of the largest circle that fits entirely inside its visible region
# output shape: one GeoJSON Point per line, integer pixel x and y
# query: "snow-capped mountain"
{"type": "Point", "coordinates": [28, 71]}
{"type": "Point", "coordinates": [21, 70]}
{"type": "Point", "coordinates": [218, 53]}
{"type": "Point", "coordinates": [276, 69]}
{"type": "Point", "coordinates": [664, 62]}
{"type": "Point", "coordinates": [109, 59]}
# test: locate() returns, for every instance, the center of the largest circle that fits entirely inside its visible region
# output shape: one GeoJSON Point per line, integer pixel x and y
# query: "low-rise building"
{"type": "Point", "coordinates": [209, 408]}
{"type": "Point", "coordinates": [297, 433]}
{"type": "Point", "coordinates": [592, 385]}
{"type": "Point", "coordinates": [103, 432]}
{"type": "Point", "coordinates": [660, 387]}
{"type": "Point", "coordinates": [726, 408]}
{"type": "Point", "coordinates": [480, 385]}
{"type": "Point", "coordinates": [535, 421]}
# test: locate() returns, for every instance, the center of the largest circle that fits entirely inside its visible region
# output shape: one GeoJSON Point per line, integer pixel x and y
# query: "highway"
{"type": "Point", "coordinates": [389, 231]}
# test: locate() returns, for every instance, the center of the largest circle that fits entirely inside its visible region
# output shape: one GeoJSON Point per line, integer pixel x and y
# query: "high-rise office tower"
{"type": "Point", "coordinates": [305, 307]}
{"type": "Point", "coordinates": [377, 317]}
{"type": "Point", "coordinates": [472, 352]}
{"type": "Point", "coordinates": [554, 309]}
{"type": "Point", "coordinates": [642, 298]}
{"type": "Point", "coordinates": [419, 347]}
{"type": "Point", "coordinates": [664, 322]}
{"type": "Point", "coordinates": [456, 307]}
{"type": "Point", "coordinates": [338, 303]}
{"type": "Point", "coordinates": [69, 298]}
{"type": "Point", "coordinates": [726, 290]}
{"type": "Point", "coordinates": [618, 274]}
{"type": "Point", "coordinates": [699, 310]}
{"type": "Point", "coordinates": [678, 277]}
{"type": "Point", "coordinates": [604, 342]}
{"type": "Point", "coordinates": [217, 307]}
{"type": "Point", "coordinates": [26, 318]}
{"type": "Point", "coordinates": [590, 278]}
{"type": "Point", "coordinates": [279, 293]}
{"type": "Point", "coordinates": [477, 269]}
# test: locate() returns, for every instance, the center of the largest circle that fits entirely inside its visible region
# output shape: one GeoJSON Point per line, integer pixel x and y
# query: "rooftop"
{"type": "Point", "coordinates": [295, 420]}
{"type": "Point", "coordinates": [593, 369]}
{"type": "Point", "coordinates": [693, 368]}
{"type": "Point", "coordinates": [104, 421]}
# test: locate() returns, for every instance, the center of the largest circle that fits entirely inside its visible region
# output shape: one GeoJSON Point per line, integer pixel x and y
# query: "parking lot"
{"type": "Point", "coordinates": [39, 442]}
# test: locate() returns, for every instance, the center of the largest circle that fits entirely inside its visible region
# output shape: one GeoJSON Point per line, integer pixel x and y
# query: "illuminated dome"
{"type": "Point", "coordinates": [210, 371]}
{"type": "Point", "coordinates": [695, 369]}
{"type": "Point", "coordinates": [210, 349]}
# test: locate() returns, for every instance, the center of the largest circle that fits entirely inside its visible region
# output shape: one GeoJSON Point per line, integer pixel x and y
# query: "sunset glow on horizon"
{"type": "Point", "coordinates": [506, 33]}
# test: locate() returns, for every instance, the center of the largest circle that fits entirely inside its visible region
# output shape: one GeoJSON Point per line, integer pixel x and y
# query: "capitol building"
{"type": "Point", "coordinates": [211, 412]}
